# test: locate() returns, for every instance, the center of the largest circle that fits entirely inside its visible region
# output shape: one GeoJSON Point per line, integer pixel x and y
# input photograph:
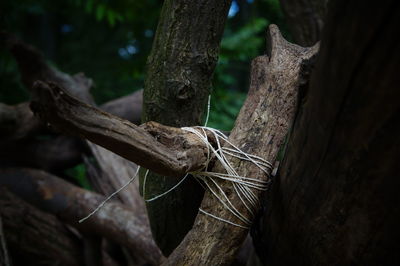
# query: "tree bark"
{"type": "Point", "coordinates": [260, 129]}
{"type": "Point", "coordinates": [336, 199]}
{"type": "Point", "coordinates": [305, 19]}
{"type": "Point", "coordinates": [178, 82]}
{"type": "Point", "coordinates": [29, 231]}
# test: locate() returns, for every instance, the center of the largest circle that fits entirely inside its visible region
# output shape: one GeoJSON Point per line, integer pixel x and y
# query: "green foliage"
{"type": "Point", "coordinates": [78, 173]}
{"type": "Point", "coordinates": [244, 43]}
{"type": "Point", "coordinates": [225, 106]}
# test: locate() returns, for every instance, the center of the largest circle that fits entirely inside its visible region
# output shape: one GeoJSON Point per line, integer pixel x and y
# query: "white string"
{"type": "Point", "coordinates": [208, 109]}
{"type": "Point", "coordinates": [109, 197]}
{"type": "Point", "coordinates": [168, 191]}
{"type": "Point", "coordinates": [221, 219]}
{"type": "Point", "coordinates": [144, 184]}
{"type": "Point", "coordinates": [242, 185]}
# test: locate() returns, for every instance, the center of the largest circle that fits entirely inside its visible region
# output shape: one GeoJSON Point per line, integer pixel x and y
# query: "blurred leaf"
{"type": "Point", "coordinates": [100, 10]}
{"type": "Point", "coordinates": [78, 173]}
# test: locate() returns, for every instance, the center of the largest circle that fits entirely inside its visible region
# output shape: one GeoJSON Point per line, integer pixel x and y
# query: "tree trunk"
{"type": "Point", "coordinates": [336, 199]}
{"type": "Point", "coordinates": [180, 69]}
{"type": "Point", "coordinates": [305, 19]}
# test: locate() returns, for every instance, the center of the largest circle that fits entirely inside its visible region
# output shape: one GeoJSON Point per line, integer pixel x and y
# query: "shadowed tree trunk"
{"type": "Point", "coordinates": [180, 69]}
{"type": "Point", "coordinates": [305, 19]}
{"type": "Point", "coordinates": [336, 199]}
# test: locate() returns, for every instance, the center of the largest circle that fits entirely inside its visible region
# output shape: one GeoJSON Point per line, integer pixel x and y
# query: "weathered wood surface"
{"type": "Point", "coordinates": [336, 201]}
{"type": "Point", "coordinates": [30, 231]}
{"type": "Point", "coordinates": [165, 150]}
{"type": "Point", "coordinates": [70, 203]}
{"type": "Point", "coordinates": [260, 129]}
{"type": "Point", "coordinates": [178, 81]}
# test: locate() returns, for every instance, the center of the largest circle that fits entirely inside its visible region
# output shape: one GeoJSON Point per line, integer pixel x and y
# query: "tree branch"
{"type": "Point", "coordinates": [71, 203]}
{"type": "Point", "coordinates": [260, 129]}
{"type": "Point", "coordinates": [165, 150]}
{"type": "Point", "coordinates": [127, 107]}
{"type": "Point", "coordinates": [30, 231]}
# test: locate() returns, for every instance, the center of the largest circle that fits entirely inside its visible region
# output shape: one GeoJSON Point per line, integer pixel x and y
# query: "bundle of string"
{"type": "Point", "coordinates": [243, 186]}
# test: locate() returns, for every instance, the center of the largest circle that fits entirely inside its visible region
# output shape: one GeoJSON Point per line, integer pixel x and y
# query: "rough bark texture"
{"type": "Point", "coordinates": [180, 69]}
{"type": "Point", "coordinates": [336, 201]}
{"type": "Point", "coordinates": [29, 231]}
{"type": "Point", "coordinates": [260, 129]}
{"type": "Point", "coordinates": [70, 203]}
{"type": "Point", "coordinates": [305, 19]}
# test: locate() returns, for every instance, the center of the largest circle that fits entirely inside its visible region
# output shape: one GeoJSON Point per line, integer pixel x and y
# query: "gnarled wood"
{"type": "Point", "coordinates": [174, 154]}
{"type": "Point", "coordinates": [70, 203]}
{"type": "Point", "coordinates": [260, 129]}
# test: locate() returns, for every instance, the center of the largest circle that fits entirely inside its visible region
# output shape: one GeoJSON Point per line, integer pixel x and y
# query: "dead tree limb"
{"type": "Point", "coordinates": [17, 122]}
{"type": "Point", "coordinates": [70, 203]}
{"type": "Point", "coordinates": [30, 231]}
{"type": "Point", "coordinates": [33, 67]}
{"type": "Point", "coordinates": [260, 129]}
{"type": "Point", "coordinates": [165, 150]}
{"type": "Point", "coordinates": [53, 154]}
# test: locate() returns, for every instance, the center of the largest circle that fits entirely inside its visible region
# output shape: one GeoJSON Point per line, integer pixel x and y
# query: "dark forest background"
{"type": "Point", "coordinates": [110, 40]}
